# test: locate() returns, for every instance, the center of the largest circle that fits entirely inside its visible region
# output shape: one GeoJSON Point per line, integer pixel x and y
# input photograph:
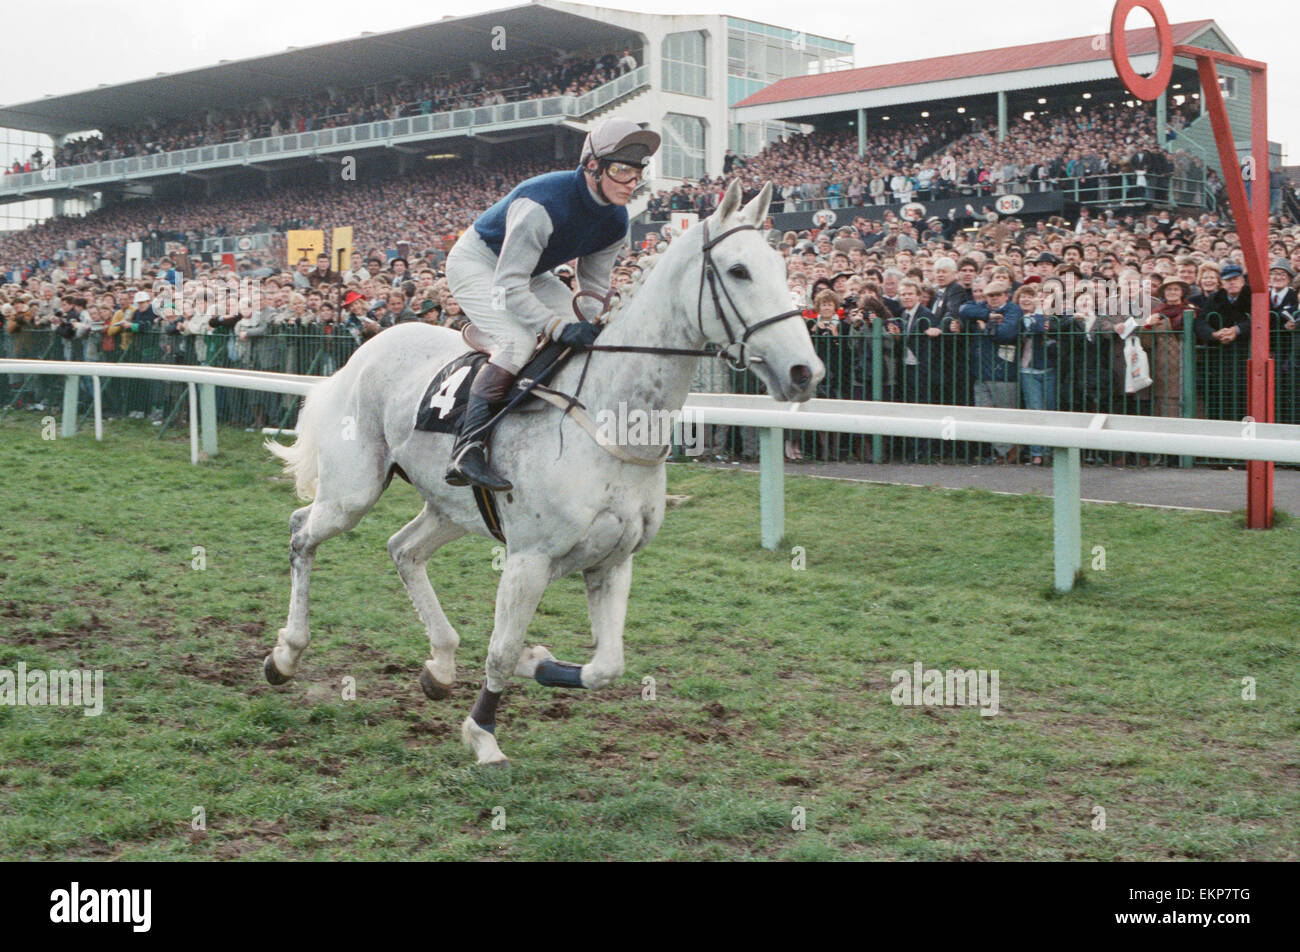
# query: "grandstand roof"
{"type": "Point", "coordinates": [532, 30]}
{"type": "Point", "coordinates": [963, 66]}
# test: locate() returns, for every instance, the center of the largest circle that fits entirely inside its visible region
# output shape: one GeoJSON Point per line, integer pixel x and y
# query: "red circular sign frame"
{"type": "Point", "coordinates": [1145, 88]}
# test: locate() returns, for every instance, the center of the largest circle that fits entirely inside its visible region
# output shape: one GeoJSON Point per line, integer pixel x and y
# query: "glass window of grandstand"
{"type": "Point", "coordinates": [686, 66]}
{"type": "Point", "coordinates": [751, 138]}
{"type": "Point", "coordinates": [758, 54]}
{"type": "Point", "coordinates": [25, 156]}
{"type": "Point", "coordinates": [683, 147]}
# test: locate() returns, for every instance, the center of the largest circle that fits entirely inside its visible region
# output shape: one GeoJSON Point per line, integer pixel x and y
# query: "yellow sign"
{"type": "Point", "coordinates": [303, 244]}
{"type": "Point", "coordinates": [341, 243]}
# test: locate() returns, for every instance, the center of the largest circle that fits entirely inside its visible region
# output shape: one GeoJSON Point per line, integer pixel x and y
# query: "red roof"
{"type": "Point", "coordinates": [962, 65]}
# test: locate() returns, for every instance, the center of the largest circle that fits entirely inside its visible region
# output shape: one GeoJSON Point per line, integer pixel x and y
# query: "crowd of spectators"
{"type": "Point", "coordinates": [427, 207]}
{"type": "Point", "coordinates": [999, 313]}
{"type": "Point", "coordinates": [308, 319]}
{"type": "Point", "coordinates": [971, 310]}
{"type": "Point", "coordinates": [570, 75]}
{"type": "Point", "coordinates": [812, 171]}
{"type": "Point", "coordinates": [929, 160]}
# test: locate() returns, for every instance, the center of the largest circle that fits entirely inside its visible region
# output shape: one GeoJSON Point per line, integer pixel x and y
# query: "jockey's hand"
{"type": "Point", "coordinates": [580, 334]}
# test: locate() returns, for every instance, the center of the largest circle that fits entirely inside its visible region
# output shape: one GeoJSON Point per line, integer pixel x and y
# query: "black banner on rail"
{"type": "Point", "coordinates": [967, 210]}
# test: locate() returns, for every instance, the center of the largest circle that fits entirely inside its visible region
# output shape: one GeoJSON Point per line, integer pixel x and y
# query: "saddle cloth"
{"type": "Point", "coordinates": [444, 400]}
{"type": "Point", "coordinates": [443, 403]}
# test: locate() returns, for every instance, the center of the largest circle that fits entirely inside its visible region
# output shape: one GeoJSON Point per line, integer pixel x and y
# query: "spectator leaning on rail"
{"type": "Point", "coordinates": [952, 291]}
{"type": "Point", "coordinates": [994, 325]}
{"type": "Point", "coordinates": [500, 269]}
{"type": "Point", "coordinates": [1227, 311]}
{"type": "Point", "coordinates": [1038, 356]}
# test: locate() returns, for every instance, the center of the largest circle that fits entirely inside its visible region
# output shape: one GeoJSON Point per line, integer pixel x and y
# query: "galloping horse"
{"type": "Point", "coordinates": [574, 506]}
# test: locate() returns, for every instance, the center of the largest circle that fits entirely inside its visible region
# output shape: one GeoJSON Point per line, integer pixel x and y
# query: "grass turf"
{"type": "Point", "coordinates": [772, 684]}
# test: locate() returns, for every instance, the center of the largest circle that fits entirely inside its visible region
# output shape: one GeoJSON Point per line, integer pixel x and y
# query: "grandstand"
{"type": "Point", "coordinates": [456, 90]}
{"type": "Point", "coordinates": [509, 93]}
{"type": "Point", "coordinates": [1038, 105]}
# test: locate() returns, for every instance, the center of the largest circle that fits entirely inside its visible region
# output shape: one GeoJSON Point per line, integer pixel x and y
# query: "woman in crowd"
{"type": "Point", "coordinates": [452, 314]}
{"type": "Point", "coordinates": [1162, 338]}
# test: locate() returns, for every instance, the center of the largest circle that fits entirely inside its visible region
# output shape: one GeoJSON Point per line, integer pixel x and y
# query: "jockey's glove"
{"type": "Point", "coordinates": [580, 334]}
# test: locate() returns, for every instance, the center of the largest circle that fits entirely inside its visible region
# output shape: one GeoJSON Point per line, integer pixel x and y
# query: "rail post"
{"type": "Point", "coordinates": [771, 486]}
{"type": "Point", "coordinates": [1068, 535]}
{"type": "Point", "coordinates": [69, 426]}
{"type": "Point", "coordinates": [208, 416]}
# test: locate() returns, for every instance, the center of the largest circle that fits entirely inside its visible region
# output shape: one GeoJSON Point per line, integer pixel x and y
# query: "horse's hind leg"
{"type": "Point", "coordinates": [309, 527]}
{"type": "Point", "coordinates": [410, 548]}
{"type": "Point", "coordinates": [523, 582]}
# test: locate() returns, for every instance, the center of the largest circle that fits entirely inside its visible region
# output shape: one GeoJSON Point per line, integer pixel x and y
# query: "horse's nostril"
{"type": "Point", "coordinates": [800, 375]}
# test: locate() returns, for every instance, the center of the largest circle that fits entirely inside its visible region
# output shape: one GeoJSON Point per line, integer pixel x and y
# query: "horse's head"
{"type": "Point", "coordinates": [744, 300]}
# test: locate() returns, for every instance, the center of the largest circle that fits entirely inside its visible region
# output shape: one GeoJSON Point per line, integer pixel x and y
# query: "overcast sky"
{"type": "Point", "coordinates": [78, 44]}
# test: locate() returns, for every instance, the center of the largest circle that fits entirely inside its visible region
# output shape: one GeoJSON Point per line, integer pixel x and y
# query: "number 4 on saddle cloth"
{"type": "Point", "coordinates": [443, 405]}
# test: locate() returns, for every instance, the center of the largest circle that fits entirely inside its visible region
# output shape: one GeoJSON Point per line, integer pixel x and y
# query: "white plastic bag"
{"type": "Point", "coordinates": [1137, 370]}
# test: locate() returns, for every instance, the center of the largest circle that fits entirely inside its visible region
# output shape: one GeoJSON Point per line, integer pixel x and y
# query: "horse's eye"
{"type": "Point", "coordinates": [739, 271]}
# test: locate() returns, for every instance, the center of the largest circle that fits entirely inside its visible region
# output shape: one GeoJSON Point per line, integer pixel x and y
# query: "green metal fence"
{"type": "Point", "coordinates": [1192, 379]}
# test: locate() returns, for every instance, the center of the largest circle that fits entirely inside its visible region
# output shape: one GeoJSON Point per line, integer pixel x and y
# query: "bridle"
{"type": "Point", "coordinates": [737, 360]}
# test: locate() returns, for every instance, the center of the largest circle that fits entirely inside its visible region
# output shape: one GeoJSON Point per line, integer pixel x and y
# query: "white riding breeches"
{"type": "Point", "coordinates": [471, 271]}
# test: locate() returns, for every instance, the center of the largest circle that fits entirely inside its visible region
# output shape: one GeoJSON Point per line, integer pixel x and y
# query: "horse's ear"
{"type": "Point", "coordinates": [730, 202]}
{"type": "Point", "coordinates": [756, 210]}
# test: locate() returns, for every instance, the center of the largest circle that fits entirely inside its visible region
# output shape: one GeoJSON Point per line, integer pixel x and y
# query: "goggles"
{"type": "Point", "coordinates": [623, 173]}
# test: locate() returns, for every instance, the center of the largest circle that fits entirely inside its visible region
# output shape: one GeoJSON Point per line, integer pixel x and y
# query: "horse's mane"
{"type": "Point", "coordinates": [627, 293]}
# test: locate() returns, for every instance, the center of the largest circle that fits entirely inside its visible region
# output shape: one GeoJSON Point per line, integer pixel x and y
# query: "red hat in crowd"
{"type": "Point", "coordinates": [352, 297]}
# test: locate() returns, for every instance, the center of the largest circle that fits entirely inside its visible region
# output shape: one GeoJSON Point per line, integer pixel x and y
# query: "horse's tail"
{"type": "Point", "coordinates": [300, 459]}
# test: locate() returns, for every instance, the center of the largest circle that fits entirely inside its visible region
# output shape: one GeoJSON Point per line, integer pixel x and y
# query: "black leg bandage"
{"type": "Point", "coordinates": [484, 712]}
{"type": "Point", "coordinates": [558, 674]}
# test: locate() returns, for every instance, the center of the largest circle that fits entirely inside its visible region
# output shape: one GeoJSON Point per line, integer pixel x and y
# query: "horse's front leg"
{"type": "Point", "coordinates": [523, 581]}
{"type": "Point", "coordinates": [607, 592]}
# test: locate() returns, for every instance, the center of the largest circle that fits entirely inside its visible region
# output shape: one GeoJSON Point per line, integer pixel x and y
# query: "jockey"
{"type": "Point", "coordinates": [500, 270]}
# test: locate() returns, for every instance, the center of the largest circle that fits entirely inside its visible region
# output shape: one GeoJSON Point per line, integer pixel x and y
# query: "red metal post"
{"type": "Point", "coordinates": [1250, 214]}
{"type": "Point", "coordinates": [1259, 494]}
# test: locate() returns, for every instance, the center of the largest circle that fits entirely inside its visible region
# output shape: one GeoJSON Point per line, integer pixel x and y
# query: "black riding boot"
{"type": "Point", "coordinates": [469, 456]}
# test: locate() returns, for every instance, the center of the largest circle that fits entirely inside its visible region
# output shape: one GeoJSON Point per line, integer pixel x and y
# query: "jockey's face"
{"type": "Point", "coordinates": [616, 193]}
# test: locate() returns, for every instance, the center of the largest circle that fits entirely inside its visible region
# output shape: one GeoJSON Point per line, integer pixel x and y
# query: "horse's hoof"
{"type": "Point", "coordinates": [433, 689]}
{"type": "Point", "coordinates": [483, 743]}
{"type": "Point", "coordinates": [272, 673]}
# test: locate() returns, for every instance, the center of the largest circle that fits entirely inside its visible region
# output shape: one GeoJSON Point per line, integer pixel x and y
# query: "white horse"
{"type": "Point", "coordinates": [574, 506]}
